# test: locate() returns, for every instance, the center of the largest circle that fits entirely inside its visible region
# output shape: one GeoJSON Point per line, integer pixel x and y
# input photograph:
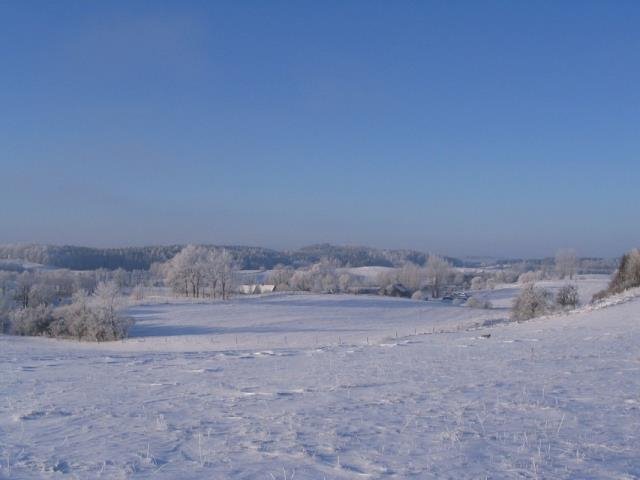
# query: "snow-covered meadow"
{"type": "Point", "coordinates": [330, 386]}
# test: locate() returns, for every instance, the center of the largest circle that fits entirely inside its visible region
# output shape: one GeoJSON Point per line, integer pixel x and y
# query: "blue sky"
{"type": "Point", "coordinates": [467, 128]}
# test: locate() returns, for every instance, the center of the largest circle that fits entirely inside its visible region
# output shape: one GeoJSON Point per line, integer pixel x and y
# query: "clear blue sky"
{"type": "Point", "coordinates": [479, 127]}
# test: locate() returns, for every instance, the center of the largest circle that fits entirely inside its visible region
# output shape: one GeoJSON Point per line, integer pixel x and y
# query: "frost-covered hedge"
{"type": "Point", "coordinates": [627, 276]}
{"type": "Point", "coordinates": [82, 323]}
{"type": "Point", "coordinates": [92, 318]}
{"type": "Point", "coordinates": [478, 302]}
{"type": "Point", "coordinates": [536, 301]}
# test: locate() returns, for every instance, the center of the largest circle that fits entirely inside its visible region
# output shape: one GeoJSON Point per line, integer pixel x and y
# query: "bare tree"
{"type": "Point", "coordinates": [412, 276]}
{"type": "Point", "coordinates": [438, 271]}
{"type": "Point", "coordinates": [23, 289]}
{"type": "Point", "coordinates": [566, 263]}
{"type": "Point", "coordinates": [185, 272]}
{"type": "Point", "coordinates": [224, 267]}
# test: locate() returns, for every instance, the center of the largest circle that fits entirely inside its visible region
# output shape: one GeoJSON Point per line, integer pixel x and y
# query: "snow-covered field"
{"type": "Point", "coordinates": [315, 387]}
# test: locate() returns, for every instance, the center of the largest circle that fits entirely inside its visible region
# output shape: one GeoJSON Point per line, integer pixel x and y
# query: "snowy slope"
{"type": "Point", "coordinates": [551, 398]}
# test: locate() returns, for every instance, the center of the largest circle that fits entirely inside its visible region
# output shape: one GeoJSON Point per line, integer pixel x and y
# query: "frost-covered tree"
{"type": "Point", "coordinates": [566, 263]}
{"type": "Point", "coordinates": [75, 319]}
{"type": "Point", "coordinates": [387, 277]}
{"type": "Point", "coordinates": [280, 276]}
{"type": "Point", "coordinates": [121, 277]}
{"type": "Point", "coordinates": [412, 276]}
{"type": "Point", "coordinates": [185, 272]}
{"type": "Point", "coordinates": [477, 283]}
{"type": "Point", "coordinates": [301, 280]}
{"type": "Point", "coordinates": [438, 271]}
{"type": "Point", "coordinates": [196, 269]}
{"type": "Point", "coordinates": [224, 267]}
{"type": "Point", "coordinates": [32, 321]}
{"type": "Point", "coordinates": [530, 277]}
{"type": "Point", "coordinates": [345, 282]}
{"type": "Point", "coordinates": [94, 318]}
{"type": "Point", "coordinates": [531, 302]}
{"type": "Point", "coordinates": [626, 276]}
{"type": "Point", "coordinates": [42, 294]}
{"type": "Point", "coordinates": [106, 322]}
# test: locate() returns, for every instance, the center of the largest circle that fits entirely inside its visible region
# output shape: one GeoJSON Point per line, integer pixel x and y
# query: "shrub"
{"type": "Point", "coordinates": [477, 283]}
{"type": "Point", "coordinates": [74, 320]}
{"type": "Point", "coordinates": [627, 276]}
{"type": "Point", "coordinates": [477, 302]}
{"type": "Point", "coordinates": [90, 323]}
{"type": "Point", "coordinates": [32, 321]}
{"type": "Point", "coordinates": [567, 296]}
{"type": "Point", "coordinates": [419, 295]}
{"type": "Point", "coordinates": [532, 302]}
{"type": "Point", "coordinates": [99, 321]}
{"type": "Point", "coordinates": [105, 325]}
{"type": "Point", "coordinates": [530, 277]}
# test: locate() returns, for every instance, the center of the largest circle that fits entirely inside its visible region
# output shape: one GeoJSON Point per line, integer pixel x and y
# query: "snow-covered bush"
{"type": "Point", "coordinates": [280, 276]}
{"type": "Point", "coordinates": [567, 297]}
{"type": "Point", "coordinates": [530, 277]}
{"type": "Point", "coordinates": [32, 321]}
{"type": "Point", "coordinates": [321, 277]}
{"type": "Point", "coordinates": [505, 276]}
{"type": "Point", "coordinates": [74, 320]}
{"type": "Point", "coordinates": [419, 295]}
{"type": "Point", "coordinates": [301, 280]}
{"type": "Point", "coordinates": [438, 271]}
{"type": "Point", "coordinates": [105, 325]}
{"type": "Point", "coordinates": [478, 302]}
{"type": "Point", "coordinates": [532, 302]}
{"type": "Point", "coordinates": [627, 276]}
{"type": "Point", "coordinates": [86, 318]}
{"type": "Point", "coordinates": [477, 283]}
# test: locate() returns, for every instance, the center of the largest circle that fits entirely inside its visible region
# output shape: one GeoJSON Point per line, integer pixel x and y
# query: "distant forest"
{"type": "Point", "coordinates": [248, 258]}
{"type": "Point", "coordinates": [254, 258]}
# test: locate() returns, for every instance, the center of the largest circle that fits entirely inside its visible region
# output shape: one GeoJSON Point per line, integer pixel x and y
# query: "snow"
{"type": "Point", "coordinates": [556, 397]}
